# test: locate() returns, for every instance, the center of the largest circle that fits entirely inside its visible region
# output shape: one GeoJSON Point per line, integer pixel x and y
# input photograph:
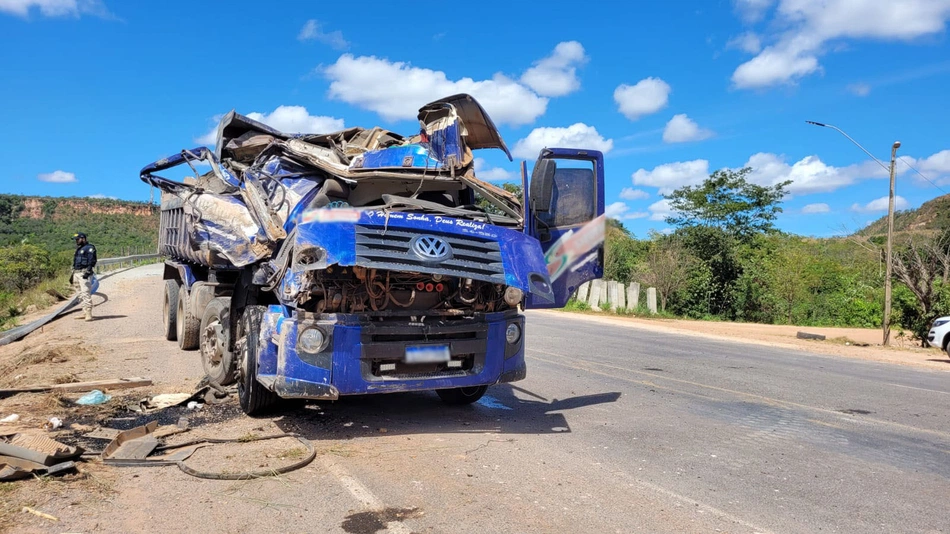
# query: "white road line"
{"type": "Point", "coordinates": [702, 506]}
{"type": "Point", "coordinates": [920, 389]}
{"type": "Point", "coordinates": [361, 493]}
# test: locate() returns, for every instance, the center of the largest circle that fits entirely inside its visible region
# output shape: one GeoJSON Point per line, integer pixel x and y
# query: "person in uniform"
{"type": "Point", "coordinates": [83, 263]}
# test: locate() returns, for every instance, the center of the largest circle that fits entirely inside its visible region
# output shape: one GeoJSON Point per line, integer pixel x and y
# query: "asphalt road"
{"type": "Point", "coordinates": [615, 429]}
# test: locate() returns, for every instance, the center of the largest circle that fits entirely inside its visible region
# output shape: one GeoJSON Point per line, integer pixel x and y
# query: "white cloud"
{"type": "Point", "coordinates": [100, 195]}
{"type": "Point", "coordinates": [809, 174]}
{"type": "Point", "coordinates": [288, 119]}
{"type": "Point", "coordinates": [396, 90]}
{"type": "Point", "coordinates": [748, 42]}
{"type": "Point", "coordinates": [682, 129]}
{"type": "Point", "coordinates": [647, 96]}
{"type": "Point", "coordinates": [880, 204]}
{"type": "Point", "coordinates": [774, 66]}
{"type": "Point", "coordinates": [55, 8]}
{"type": "Point", "coordinates": [616, 210]}
{"type": "Point", "coordinates": [313, 31]}
{"type": "Point", "coordinates": [820, 207]}
{"type": "Point", "coordinates": [805, 29]}
{"type": "Point", "coordinates": [556, 75]}
{"type": "Point", "coordinates": [577, 135]}
{"type": "Point", "coordinates": [671, 176]}
{"type": "Point", "coordinates": [629, 193]}
{"type": "Point", "coordinates": [752, 10]}
{"type": "Point", "coordinates": [660, 210]}
{"type": "Point", "coordinates": [494, 174]}
{"type": "Point", "coordinates": [57, 177]}
{"type": "Point", "coordinates": [621, 211]}
{"type": "Point", "coordinates": [938, 164]}
{"type": "Point", "coordinates": [296, 119]}
{"type": "Point", "coordinates": [859, 89]}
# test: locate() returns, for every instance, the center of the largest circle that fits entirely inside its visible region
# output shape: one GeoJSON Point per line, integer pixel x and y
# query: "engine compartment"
{"type": "Point", "coordinates": [358, 289]}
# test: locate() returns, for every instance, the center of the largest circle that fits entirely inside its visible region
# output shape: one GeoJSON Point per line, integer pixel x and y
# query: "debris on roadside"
{"type": "Point", "coordinates": [78, 387]}
{"type": "Point", "coordinates": [53, 423]}
{"type": "Point", "coordinates": [93, 397]}
{"type": "Point", "coordinates": [38, 513]}
{"type": "Point", "coordinates": [806, 335]}
{"type": "Point", "coordinates": [134, 444]}
{"type": "Point", "coordinates": [12, 418]}
{"type": "Point", "coordinates": [17, 468]}
{"type": "Point", "coordinates": [39, 449]}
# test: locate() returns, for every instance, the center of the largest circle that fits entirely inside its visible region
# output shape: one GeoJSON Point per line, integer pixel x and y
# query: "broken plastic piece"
{"type": "Point", "coordinates": [12, 418]}
{"type": "Point", "coordinates": [93, 397]}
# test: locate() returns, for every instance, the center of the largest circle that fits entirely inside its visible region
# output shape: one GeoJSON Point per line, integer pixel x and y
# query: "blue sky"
{"type": "Point", "coordinates": [93, 90]}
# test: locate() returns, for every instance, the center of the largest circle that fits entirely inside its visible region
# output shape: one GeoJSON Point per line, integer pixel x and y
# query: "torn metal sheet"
{"type": "Point", "coordinates": [17, 468]}
{"type": "Point", "coordinates": [103, 433]}
{"type": "Point", "coordinates": [39, 449]}
{"type": "Point", "coordinates": [134, 444]}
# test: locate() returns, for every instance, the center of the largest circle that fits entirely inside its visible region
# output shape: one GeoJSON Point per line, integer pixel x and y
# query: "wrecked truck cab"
{"type": "Point", "coordinates": [364, 261]}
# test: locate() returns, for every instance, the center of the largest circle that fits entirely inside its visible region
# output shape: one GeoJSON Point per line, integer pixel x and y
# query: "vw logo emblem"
{"type": "Point", "coordinates": [430, 247]}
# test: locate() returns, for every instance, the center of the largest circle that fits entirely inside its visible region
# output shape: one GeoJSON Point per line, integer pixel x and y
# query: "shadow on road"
{"type": "Point", "coordinates": [499, 411]}
{"type": "Point", "coordinates": [936, 360]}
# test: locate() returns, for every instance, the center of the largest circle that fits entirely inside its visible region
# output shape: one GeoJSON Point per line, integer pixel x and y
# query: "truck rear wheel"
{"type": "Point", "coordinates": [217, 360]}
{"type": "Point", "coordinates": [186, 324]}
{"type": "Point", "coordinates": [170, 310]}
{"type": "Point", "coordinates": [460, 396]}
{"type": "Point", "coordinates": [254, 397]}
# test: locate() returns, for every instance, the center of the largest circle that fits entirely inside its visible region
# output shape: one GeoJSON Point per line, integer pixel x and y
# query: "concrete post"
{"type": "Point", "coordinates": [633, 295]}
{"type": "Point", "coordinates": [613, 293]}
{"type": "Point", "coordinates": [604, 294]}
{"type": "Point", "coordinates": [583, 291]}
{"type": "Point", "coordinates": [621, 296]}
{"type": "Point", "coordinates": [651, 299]}
{"type": "Point", "coordinates": [594, 300]}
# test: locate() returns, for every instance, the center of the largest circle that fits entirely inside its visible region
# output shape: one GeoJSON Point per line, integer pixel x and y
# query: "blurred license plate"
{"type": "Point", "coordinates": [428, 354]}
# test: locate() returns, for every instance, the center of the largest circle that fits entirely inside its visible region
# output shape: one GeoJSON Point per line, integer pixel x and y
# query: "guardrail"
{"type": "Point", "coordinates": [125, 259]}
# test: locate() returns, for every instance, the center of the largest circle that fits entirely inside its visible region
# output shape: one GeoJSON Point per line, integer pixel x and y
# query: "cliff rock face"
{"type": "Point", "coordinates": [40, 208]}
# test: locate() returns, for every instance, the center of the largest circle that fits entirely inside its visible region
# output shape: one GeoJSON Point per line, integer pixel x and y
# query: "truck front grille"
{"type": "Point", "coordinates": [473, 257]}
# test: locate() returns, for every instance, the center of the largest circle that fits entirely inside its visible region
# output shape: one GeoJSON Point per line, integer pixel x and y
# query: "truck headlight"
{"type": "Point", "coordinates": [312, 341]}
{"type": "Point", "coordinates": [513, 334]}
{"type": "Point", "coordinates": [513, 296]}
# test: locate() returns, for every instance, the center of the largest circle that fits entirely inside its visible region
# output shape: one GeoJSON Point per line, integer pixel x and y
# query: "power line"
{"type": "Point", "coordinates": [921, 175]}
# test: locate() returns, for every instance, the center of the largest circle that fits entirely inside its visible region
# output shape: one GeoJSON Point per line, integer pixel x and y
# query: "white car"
{"type": "Point", "coordinates": [940, 333]}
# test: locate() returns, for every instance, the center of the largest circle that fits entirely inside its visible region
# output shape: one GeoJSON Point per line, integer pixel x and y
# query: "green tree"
{"type": "Point", "coordinates": [666, 267]}
{"type": "Point", "coordinates": [726, 200]}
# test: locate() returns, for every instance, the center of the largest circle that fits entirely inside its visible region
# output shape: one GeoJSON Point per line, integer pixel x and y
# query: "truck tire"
{"type": "Point", "coordinates": [255, 399]}
{"type": "Point", "coordinates": [186, 324]}
{"type": "Point", "coordinates": [217, 360]}
{"type": "Point", "coordinates": [460, 396]}
{"type": "Point", "coordinates": [170, 310]}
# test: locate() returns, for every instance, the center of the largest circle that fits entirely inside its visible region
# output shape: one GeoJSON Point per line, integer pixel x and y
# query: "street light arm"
{"type": "Point", "coordinates": [857, 144]}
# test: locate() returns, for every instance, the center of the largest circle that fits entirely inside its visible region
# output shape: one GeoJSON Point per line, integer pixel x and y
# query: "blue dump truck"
{"type": "Point", "coordinates": [313, 266]}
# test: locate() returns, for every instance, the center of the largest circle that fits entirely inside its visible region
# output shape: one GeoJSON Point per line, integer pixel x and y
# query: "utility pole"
{"type": "Point", "coordinates": [890, 225]}
{"type": "Point", "coordinates": [890, 244]}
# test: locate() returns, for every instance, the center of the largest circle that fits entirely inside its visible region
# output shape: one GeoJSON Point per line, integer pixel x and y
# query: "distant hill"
{"type": "Point", "coordinates": [114, 226]}
{"type": "Point", "coordinates": [933, 215]}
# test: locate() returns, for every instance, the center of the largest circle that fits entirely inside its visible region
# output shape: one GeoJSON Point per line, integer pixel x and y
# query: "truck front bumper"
{"type": "Point", "coordinates": [365, 355]}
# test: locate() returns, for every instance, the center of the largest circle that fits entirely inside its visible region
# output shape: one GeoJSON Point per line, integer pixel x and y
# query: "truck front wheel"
{"type": "Point", "coordinates": [459, 396]}
{"type": "Point", "coordinates": [216, 359]}
{"type": "Point", "coordinates": [170, 310]}
{"type": "Point", "coordinates": [254, 397]}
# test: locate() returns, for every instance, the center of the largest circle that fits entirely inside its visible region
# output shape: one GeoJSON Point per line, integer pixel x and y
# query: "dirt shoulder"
{"type": "Point", "coordinates": [844, 342]}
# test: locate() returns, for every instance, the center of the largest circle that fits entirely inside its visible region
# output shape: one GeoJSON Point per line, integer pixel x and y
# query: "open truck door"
{"type": "Point", "coordinates": [566, 215]}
